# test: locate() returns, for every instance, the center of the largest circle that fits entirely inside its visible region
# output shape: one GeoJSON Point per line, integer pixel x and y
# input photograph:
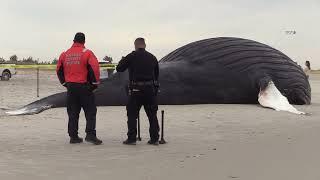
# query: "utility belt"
{"type": "Point", "coordinates": [136, 86]}
{"type": "Point", "coordinates": [143, 83]}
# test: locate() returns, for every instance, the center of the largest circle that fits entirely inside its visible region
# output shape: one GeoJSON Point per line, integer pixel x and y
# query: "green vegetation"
{"type": "Point", "coordinates": [31, 61]}
{"type": "Point", "coordinates": [25, 61]}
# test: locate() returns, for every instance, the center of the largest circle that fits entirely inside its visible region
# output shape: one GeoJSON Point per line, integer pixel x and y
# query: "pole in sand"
{"type": "Point", "coordinates": [37, 81]}
{"type": "Point", "coordinates": [138, 124]}
{"type": "Point", "coordinates": [162, 141]}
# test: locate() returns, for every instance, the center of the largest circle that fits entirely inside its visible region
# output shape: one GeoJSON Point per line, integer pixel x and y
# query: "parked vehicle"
{"type": "Point", "coordinates": [106, 69]}
{"type": "Point", "coordinates": [6, 71]}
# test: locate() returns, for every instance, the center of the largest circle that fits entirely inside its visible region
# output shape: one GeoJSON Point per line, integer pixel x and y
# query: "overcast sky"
{"type": "Point", "coordinates": [43, 29]}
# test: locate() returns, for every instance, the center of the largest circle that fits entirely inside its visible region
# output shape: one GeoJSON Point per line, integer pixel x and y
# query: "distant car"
{"type": "Point", "coordinates": [106, 69]}
{"type": "Point", "coordinates": [6, 71]}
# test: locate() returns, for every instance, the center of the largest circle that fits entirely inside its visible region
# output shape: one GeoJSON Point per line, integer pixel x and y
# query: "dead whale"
{"type": "Point", "coordinates": [221, 70]}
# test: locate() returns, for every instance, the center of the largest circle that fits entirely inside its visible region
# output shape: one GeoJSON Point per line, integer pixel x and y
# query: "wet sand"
{"type": "Point", "coordinates": [204, 141]}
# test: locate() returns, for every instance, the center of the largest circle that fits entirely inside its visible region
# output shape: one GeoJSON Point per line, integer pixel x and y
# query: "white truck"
{"type": "Point", "coordinates": [6, 71]}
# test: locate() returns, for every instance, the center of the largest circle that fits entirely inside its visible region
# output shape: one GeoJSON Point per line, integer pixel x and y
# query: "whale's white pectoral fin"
{"type": "Point", "coordinates": [28, 110]}
{"type": "Point", "coordinates": [271, 97]}
{"type": "Point", "coordinates": [17, 112]}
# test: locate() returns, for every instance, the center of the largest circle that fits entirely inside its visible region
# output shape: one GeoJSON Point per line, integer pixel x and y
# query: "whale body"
{"type": "Point", "coordinates": [222, 70]}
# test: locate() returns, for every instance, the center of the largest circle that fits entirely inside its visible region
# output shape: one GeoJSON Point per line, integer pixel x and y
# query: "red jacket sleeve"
{"type": "Point", "coordinates": [60, 71]}
{"type": "Point", "coordinates": [93, 69]}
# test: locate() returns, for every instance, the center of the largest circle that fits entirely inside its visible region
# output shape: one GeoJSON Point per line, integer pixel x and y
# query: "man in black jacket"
{"type": "Point", "coordinates": [143, 88]}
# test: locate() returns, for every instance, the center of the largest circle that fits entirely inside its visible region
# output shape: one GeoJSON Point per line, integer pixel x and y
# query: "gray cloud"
{"type": "Point", "coordinates": [45, 28]}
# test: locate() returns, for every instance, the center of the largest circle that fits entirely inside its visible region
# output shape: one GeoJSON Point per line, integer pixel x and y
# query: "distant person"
{"type": "Point", "coordinates": [78, 70]}
{"type": "Point", "coordinates": [307, 69]}
{"type": "Point", "coordinates": [143, 88]}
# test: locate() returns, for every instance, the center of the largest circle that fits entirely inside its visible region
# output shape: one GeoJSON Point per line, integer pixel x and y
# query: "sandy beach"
{"type": "Point", "coordinates": [205, 142]}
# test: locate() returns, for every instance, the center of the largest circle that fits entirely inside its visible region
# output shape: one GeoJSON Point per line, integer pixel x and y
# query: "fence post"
{"type": "Point", "coordinates": [37, 80]}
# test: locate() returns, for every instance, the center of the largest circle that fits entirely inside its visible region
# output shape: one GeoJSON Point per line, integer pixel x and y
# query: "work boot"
{"type": "Point", "coordinates": [93, 139]}
{"type": "Point", "coordinates": [76, 140]}
{"type": "Point", "coordinates": [129, 142]}
{"type": "Point", "coordinates": [153, 142]}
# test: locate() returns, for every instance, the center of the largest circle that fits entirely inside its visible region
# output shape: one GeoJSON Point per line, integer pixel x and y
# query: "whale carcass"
{"type": "Point", "coordinates": [218, 70]}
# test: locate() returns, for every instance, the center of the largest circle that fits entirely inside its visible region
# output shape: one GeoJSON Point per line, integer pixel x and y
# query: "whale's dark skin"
{"type": "Point", "coordinates": [218, 70]}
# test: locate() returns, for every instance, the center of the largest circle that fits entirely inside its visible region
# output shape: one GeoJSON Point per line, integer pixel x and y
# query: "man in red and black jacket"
{"type": "Point", "coordinates": [78, 70]}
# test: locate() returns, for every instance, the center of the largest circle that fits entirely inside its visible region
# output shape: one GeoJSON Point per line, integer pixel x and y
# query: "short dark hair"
{"type": "Point", "coordinates": [79, 38]}
{"type": "Point", "coordinates": [140, 40]}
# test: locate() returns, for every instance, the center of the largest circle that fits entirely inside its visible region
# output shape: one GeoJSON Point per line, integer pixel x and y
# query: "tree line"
{"type": "Point", "coordinates": [29, 60]}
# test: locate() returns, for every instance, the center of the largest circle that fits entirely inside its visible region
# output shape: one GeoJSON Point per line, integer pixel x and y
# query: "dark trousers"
{"type": "Point", "coordinates": [79, 96]}
{"type": "Point", "coordinates": [146, 97]}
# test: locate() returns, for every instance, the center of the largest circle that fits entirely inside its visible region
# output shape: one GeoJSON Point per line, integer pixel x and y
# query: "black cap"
{"type": "Point", "coordinates": [79, 38]}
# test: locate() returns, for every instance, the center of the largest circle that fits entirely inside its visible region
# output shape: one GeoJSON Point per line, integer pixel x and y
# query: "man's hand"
{"type": "Point", "coordinates": [92, 87]}
{"type": "Point", "coordinates": [157, 87]}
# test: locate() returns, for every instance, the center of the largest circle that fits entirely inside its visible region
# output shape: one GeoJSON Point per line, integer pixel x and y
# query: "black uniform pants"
{"type": "Point", "coordinates": [143, 96]}
{"type": "Point", "coordinates": [80, 96]}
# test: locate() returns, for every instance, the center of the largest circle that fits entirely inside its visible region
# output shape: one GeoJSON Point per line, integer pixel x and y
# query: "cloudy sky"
{"type": "Point", "coordinates": [42, 29]}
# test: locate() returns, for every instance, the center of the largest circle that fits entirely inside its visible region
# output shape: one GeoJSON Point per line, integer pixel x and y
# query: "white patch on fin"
{"type": "Point", "coordinates": [271, 97]}
{"type": "Point", "coordinates": [28, 110]}
{"type": "Point", "coordinates": [17, 112]}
